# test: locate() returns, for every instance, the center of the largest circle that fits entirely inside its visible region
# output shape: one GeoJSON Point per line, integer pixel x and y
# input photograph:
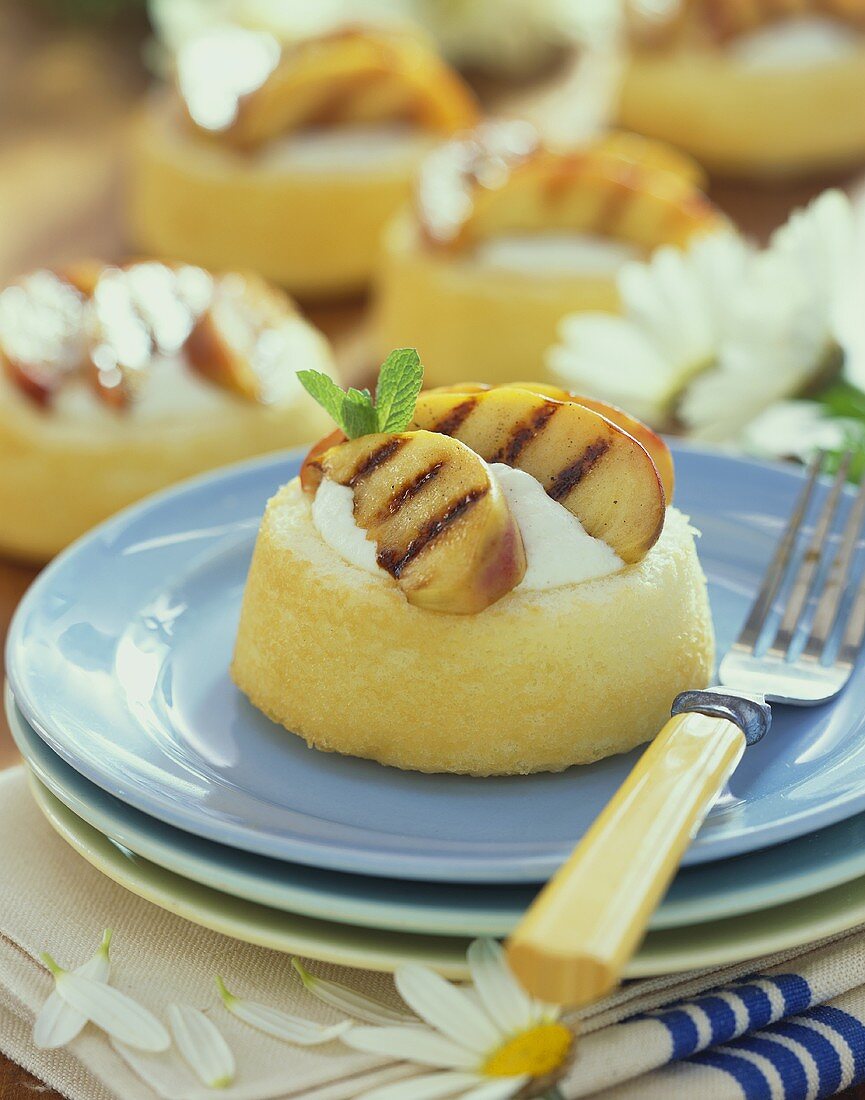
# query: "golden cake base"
{"type": "Point", "coordinates": [316, 232]}
{"type": "Point", "coordinates": [536, 682]}
{"type": "Point", "coordinates": [469, 321]}
{"type": "Point", "coordinates": [59, 480]}
{"type": "Point", "coordinates": [739, 121]}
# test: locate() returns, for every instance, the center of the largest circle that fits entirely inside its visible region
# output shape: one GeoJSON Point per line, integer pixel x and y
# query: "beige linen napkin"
{"type": "Point", "coordinates": [52, 899]}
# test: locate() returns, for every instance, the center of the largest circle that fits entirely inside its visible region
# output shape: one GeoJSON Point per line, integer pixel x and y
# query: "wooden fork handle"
{"type": "Point", "coordinates": [575, 940]}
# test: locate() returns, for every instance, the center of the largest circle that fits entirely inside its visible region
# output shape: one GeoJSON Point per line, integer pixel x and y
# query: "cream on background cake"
{"type": "Point", "coordinates": [507, 235]}
{"type": "Point", "coordinates": [117, 381]}
{"type": "Point", "coordinates": [289, 159]}
{"type": "Point", "coordinates": [490, 584]}
{"type": "Point", "coordinates": [750, 87]}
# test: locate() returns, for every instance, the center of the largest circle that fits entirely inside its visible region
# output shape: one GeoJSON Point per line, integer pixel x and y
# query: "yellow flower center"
{"type": "Point", "coordinates": [533, 1053]}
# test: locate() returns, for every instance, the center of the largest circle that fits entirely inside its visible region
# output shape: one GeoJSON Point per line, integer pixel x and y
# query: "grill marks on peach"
{"type": "Point", "coordinates": [455, 417]}
{"type": "Point", "coordinates": [523, 434]}
{"type": "Point", "coordinates": [405, 493]}
{"type": "Point", "coordinates": [375, 459]}
{"type": "Point", "coordinates": [395, 558]}
{"type": "Point", "coordinates": [395, 561]}
{"type": "Point", "coordinates": [567, 480]}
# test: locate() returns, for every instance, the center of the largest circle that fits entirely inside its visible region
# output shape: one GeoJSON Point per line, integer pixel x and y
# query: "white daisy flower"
{"type": "Point", "coordinates": [487, 1042]}
{"type": "Point", "coordinates": [675, 309]}
{"type": "Point", "coordinates": [713, 335]}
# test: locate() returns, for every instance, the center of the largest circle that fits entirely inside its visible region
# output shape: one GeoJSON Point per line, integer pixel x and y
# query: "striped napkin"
{"type": "Point", "coordinates": [792, 1030]}
{"type": "Point", "coordinates": [791, 1026]}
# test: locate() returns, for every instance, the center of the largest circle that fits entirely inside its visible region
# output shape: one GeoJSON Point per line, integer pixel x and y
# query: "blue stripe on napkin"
{"type": "Point", "coordinates": [750, 1079]}
{"type": "Point", "coordinates": [825, 1057]}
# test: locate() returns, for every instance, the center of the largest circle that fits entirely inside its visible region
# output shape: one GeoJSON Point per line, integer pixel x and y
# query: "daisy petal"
{"type": "Point", "coordinates": [501, 994]}
{"type": "Point", "coordinates": [58, 1023]}
{"type": "Point", "coordinates": [349, 1001]}
{"type": "Point", "coordinates": [412, 1044]}
{"type": "Point", "coordinates": [497, 1089]}
{"type": "Point", "coordinates": [278, 1024]}
{"type": "Point", "coordinates": [446, 1008]}
{"type": "Point", "coordinates": [116, 1014]}
{"type": "Point", "coordinates": [202, 1046]}
{"type": "Point", "coordinates": [428, 1087]}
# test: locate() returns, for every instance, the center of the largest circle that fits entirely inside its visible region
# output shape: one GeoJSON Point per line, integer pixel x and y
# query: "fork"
{"type": "Point", "coordinates": [574, 942]}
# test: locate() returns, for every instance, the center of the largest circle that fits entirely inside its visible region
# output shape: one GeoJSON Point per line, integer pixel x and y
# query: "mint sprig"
{"type": "Point", "coordinates": [399, 383]}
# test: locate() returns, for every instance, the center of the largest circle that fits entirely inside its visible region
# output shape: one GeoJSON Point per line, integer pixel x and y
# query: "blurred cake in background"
{"type": "Point", "coordinates": [289, 158]}
{"type": "Point", "coordinates": [506, 235]}
{"type": "Point", "coordinates": [750, 87]}
{"type": "Point", "coordinates": [503, 37]}
{"type": "Point", "coordinates": [115, 382]}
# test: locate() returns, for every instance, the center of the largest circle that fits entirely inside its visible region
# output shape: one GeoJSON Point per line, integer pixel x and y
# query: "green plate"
{"type": "Point", "coordinates": [699, 946]}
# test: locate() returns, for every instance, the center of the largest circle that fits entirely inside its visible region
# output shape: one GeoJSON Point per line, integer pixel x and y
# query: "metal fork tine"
{"type": "Point", "coordinates": [854, 632]}
{"type": "Point", "coordinates": [810, 564]}
{"type": "Point", "coordinates": [833, 591]}
{"type": "Point", "coordinates": [778, 566]}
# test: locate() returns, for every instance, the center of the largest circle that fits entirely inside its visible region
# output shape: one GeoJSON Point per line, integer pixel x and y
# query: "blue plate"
{"type": "Point", "coordinates": [118, 658]}
{"type": "Point", "coordinates": [746, 884]}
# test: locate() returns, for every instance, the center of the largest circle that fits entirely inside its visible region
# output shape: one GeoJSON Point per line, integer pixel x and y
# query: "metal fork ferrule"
{"type": "Point", "coordinates": [752, 718]}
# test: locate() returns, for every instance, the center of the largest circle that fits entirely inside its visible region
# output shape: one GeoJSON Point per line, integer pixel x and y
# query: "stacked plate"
{"type": "Point", "coordinates": [148, 761]}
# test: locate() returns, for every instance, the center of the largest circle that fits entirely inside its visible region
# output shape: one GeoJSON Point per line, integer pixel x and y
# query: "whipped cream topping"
{"type": "Point", "coordinates": [348, 148]}
{"type": "Point", "coordinates": [449, 175]}
{"type": "Point", "coordinates": [555, 254]}
{"type": "Point", "coordinates": [216, 69]}
{"type": "Point", "coordinates": [795, 43]}
{"type": "Point", "coordinates": [558, 549]}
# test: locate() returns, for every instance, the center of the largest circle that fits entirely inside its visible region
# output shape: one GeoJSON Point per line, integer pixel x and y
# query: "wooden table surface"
{"type": "Point", "coordinates": [65, 93]}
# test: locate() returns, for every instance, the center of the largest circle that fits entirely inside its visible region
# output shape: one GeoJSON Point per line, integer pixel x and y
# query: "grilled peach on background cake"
{"type": "Point", "coordinates": [474, 671]}
{"type": "Point", "coordinates": [507, 235]}
{"type": "Point", "coordinates": [116, 381]}
{"type": "Point", "coordinates": [288, 158]}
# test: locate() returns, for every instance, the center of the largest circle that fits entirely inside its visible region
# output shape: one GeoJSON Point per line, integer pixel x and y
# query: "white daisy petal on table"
{"type": "Point", "coordinates": [58, 1023]}
{"type": "Point", "coordinates": [202, 1046]}
{"type": "Point", "coordinates": [412, 1044]}
{"type": "Point", "coordinates": [496, 1090]}
{"type": "Point", "coordinates": [114, 1012]}
{"type": "Point", "coordinates": [279, 1024]}
{"type": "Point", "coordinates": [500, 993]}
{"type": "Point", "coordinates": [426, 1087]}
{"type": "Point", "coordinates": [350, 1001]}
{"type": "Point", "coordinates": [446, 1008]}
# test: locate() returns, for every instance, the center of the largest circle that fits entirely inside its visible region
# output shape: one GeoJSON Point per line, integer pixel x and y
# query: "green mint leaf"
{"type": "Point", "coordinates": [353, 410]}
{"type": "Point", "coordinates": [358, 414]}
{"type": "Point", "coordinates": [399, 383]}
{"type": "Point", "coordinates": [323, 389]}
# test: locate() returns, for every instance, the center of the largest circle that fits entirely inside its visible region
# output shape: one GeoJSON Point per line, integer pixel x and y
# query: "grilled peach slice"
{"type": "Point", "coordinates": [42, 333]}
{"type": "Point", "coordinates": [598, 472]}
{"type": "Point", "coordinates": [657, 448]}
{"type": "Point", "coordinates": [353, 76]}
{"type": "Point", "coordinates": [441, 525]}
{"type": "Point", "coordinates": [223, 345]}
{"type": "Point", "coordinates": [588, 191]}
